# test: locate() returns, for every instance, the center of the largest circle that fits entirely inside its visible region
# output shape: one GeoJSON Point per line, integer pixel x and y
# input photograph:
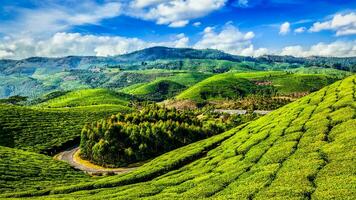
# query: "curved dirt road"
{"type": "Point", "coordinates": [69, 157]}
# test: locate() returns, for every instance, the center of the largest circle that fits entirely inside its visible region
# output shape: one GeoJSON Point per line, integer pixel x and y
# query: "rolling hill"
{"type": "Point", "coordinates": [48, 130]}
{"type": "Point", "coordinates": [304, 150]}
{"type": "Point", "coordinates": [238, 85]}
{"type": "Point", "coordinates": [56, 124]}
{"type": "Point", "coordinates": [34, 172]}
{"type": "Point", "coordinates": [88, 97]}
{"type": "Point", "coordinates": [33, 77]}
{"type": "Point", "coordinates": [158, 90]}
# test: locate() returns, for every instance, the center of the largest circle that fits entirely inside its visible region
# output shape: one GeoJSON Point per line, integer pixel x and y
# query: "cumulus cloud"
{"type": "Point", "coordinates": [300, 30]}
{"type": "Point", "coordinates": [178, 23]}
{"type": "Point", "coordinates": [64, 44]}
{"type": "Point", "coordinates": [337, 49]}
{"type": "Point", "coordinates": [175, 13]}
{"type": "Point", "coordinates": [230, 39]}
{"type": "Point", "coordinates": [342, 24]}
{"type": "Point", "coordinates": [197, 24]}
{"type": "Point", "coordinates": [145, 3]}
{"type": "Point", "coordinates": [52, 17]}
{"type": "Point", "coordinates": [284, 29]}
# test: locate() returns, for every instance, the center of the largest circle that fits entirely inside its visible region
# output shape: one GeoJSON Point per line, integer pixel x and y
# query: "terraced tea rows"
{"type": "Point", "coordinates": [48, 130]}
{"type": "Point", "coordinates": [21, 170]}
{"type": "Point", "coordinates": [305, 150]}
{"type": "Point", "coordinates": [238, 85]}
{"type": "Point", "coordinates": [88, 97]}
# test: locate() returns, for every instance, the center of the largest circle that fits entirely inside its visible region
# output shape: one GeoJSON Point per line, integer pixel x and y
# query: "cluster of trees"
{"type": "Point", "coordinates": [14, 100]}
{"type": "Point", "coordinates": [128, 138]}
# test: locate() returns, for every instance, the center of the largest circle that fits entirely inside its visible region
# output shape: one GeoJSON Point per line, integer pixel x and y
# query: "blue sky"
{"type": "Point", "coordinates": [244, 27]}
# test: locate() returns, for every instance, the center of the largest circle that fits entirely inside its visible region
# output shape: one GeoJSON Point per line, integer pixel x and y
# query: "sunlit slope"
{"type": "Point", "coordinates": [24, 171]}
{"type": "Point", "coordinates": [304, 150]}
{"type": "Point", "coordinates": [157, 90]}
{"type": "Point", "coordinates": [48, 130]}
{"type": "Point", "coordinates": [236, 85]}
{"type": "Point", "coordinates": [88, 97]}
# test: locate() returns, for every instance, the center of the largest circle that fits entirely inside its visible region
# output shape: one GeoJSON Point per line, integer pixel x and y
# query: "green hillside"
{"type": "Point", "coordinates": [21, 170]}
{"type": "Point", "coordinates": [156, 91]}
{"type": "Point", "coordinates": [304, 150]}
{"type": "Point", "coordinates": [48, 130]}
{"type": "Point", "coordinates": [236, 85]}
{"type": "Point", "coordinates": [88, 97]}
{"type": "Point", "coordinates": [340, 74]}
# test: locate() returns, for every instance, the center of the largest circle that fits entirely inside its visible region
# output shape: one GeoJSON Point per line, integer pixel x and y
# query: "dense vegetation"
{"type": "Point", "coordinates": [304, 150]}
{"type": "Point", "coordinates": [88, 97]}
{"type": "Point", "coordinates": [36, 76]}
{"type": "Point", "coordinates": [21, 170]}
{"type": "Point", "coordinates": [48, 130]}
{"type": "Point", "coordinates": [138, 136]}
{"type": "Point", "coordinates": [155, 91]}
{"type": "Point", "coordinates": [255, 90]}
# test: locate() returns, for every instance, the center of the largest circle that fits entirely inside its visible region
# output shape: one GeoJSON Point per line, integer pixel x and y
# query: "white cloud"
{"type": "Point", "coordinates": [343, 24]}
{"type": "Point", "coordinates": [230, 40]}
{"type": "Point", "coordinates": [337, 49]}
{"type": "Point", "coordinates": [181, 41]}
{"type": "Point", "coordinates": [145, 3]}
{"type": "Point", "coordinates": [284, 28]}
{"type": "Point", "coordinates": [197, 24]}
{"type": "Point", "coordinates": [64, 44]}
{"type": "Point", "coordinates": [175, 13]}
{"type": "Point", "coordinates": [179, 24]}
{"type": "Point", "coordinates": [49, 20]}
{"type": "Point", "coordinates": [300, 30]}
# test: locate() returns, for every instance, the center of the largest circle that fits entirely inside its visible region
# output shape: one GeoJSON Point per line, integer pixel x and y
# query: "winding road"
{"type": "Point", "coordinates": [70, 156]}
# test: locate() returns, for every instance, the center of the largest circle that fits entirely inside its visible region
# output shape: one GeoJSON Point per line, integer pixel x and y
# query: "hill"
{"type": "Point", "coordinates": [238, 85]}
{"type": "Point", "coordinates": [304, 150]}
{"type": "Point", "coordinates": [88, 97]}
{"type": "Point", "coordinates": [156, 91]}
{"type": "Point", "coordinates": [33, 77]}
{"type": "Point", "coordinates": [21, 170]}
{"type": "Point", "coordinates": [29, 66]}
{"type": "Point", "coordinates": [48, 130]}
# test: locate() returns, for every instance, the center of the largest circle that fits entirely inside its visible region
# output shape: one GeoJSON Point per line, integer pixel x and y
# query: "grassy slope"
{"type": "Point", "coordinates": [88, 97]}
{"type": "Point", "coordinates": [44, 130]}
{"type": "Point", "coordinates": [340, 74]}
{"type": "Point", "coordinates": [304, 150]}
{"type": "Point", "coordinates": [225, 85]}
{"type": "Point", "coordinates": [156, 90]}
{"type": "Point", "coordinates": [55, 123]}
{"type": "Point", "coordinates": [21, 170]}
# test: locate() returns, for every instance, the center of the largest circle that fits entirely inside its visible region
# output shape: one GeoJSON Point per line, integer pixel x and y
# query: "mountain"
{"type": "Point", "coordinates": [304, 150]}
{"type": "Point", "coordinates": [30, 65]}
{"type": "Point", "coordinates": [33, 77]}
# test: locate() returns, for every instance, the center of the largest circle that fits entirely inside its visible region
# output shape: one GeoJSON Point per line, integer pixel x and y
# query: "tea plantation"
{"type": "Point", "coordinates": [304, 150]}
{"type": "Point", "coordinates": [238, 85]}
{"type": "Point", "coordinates": [88, 97]}
{"type": "Point", "coordinates": [48, 130]}
{"type": "Point", "coordinates": [157, 90]}
{"type": "Point", "coordinates": [21, 170]}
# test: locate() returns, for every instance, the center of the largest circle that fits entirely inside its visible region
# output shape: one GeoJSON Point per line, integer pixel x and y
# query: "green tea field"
{"type": "Point", "coordinates": [304, 150]}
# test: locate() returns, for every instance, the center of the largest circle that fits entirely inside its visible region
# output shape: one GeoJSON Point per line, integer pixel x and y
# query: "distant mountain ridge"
{"type": "Point", "coordinates": [29, 65]}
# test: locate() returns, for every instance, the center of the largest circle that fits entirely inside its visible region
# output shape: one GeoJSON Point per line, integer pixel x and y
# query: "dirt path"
{"type": "Point", "coordinates": [71, 156]}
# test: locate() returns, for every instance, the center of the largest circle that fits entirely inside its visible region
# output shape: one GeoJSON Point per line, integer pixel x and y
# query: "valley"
{"type": "Point", "coordinates": [171, 123]}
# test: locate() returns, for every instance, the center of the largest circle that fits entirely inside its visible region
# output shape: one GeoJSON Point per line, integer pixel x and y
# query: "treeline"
{"type": "Point", "coordinates": [138, 136]}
